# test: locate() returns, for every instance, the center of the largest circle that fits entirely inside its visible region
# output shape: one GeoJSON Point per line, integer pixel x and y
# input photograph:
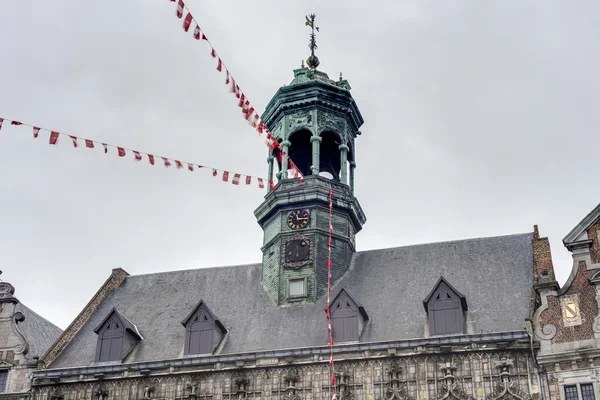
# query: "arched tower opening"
{"type": "Point", "coordinates": [329, 159]}
{"type": "Point", "coordinates": [300, 150]}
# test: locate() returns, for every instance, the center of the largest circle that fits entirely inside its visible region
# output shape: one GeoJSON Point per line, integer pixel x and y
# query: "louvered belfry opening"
{"type": "Point", "coordinates": [110, 341]}
{"type": "Point", "coordinates": [344, 319]}
{"type": "Point", "coordinates": [199, 333]}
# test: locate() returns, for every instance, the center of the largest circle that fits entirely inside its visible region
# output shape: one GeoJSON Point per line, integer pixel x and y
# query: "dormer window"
{"type": "Point", "coordinates": [347, 318]}
{"type": "Point", "coordinates": [116, 337]}
{"type": "Point", "coordinates": [203, 332]}
{"type": "Point", "coordinates": [445, 307]}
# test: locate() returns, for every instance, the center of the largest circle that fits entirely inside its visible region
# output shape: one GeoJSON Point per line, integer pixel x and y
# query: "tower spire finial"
{"type": "Point", "coordinates": [312, 61]}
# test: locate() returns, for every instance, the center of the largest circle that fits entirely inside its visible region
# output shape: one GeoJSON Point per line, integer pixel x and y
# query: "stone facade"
{"type": "Point", "coordinates": [18, 344]}
{"type": "Point", "coordinates": [467, 374]}
{"type": "Point", "coordinates": [567, 320]}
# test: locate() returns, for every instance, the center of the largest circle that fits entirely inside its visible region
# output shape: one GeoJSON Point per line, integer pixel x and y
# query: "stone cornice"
{"type": "Point", "coordinates": [463, 343]}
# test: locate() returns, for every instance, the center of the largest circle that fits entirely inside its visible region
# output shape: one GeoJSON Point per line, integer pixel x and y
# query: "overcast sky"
{"type": "Point", "coordinates": [480, 120]}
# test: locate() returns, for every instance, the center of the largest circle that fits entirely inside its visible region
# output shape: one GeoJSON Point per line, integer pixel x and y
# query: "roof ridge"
{"type": "Point", "coordinates": [195, 269]}
{"type": "Point", "coordinates": [447, 242]}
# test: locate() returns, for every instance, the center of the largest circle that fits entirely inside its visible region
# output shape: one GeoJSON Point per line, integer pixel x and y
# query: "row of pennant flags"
{"type": "Point", "coordinates": [226, 176]}
{"type": "Point", "coordinates": [249, 112]}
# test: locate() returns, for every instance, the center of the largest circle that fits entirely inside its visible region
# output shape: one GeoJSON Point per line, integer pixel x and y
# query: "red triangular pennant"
{"type": "Point", "coordinates": [36, 131]}
{"type": "Point", "coordinates": [74, 138]}
{"type": "Point", "coordinates": [121, 151]}
{"type": "Point", "coordinates": [187, 21]}
{"type": "Point", "coordinates": [54, 137]}
{"type": "Point", "coordinates": [179, 11]}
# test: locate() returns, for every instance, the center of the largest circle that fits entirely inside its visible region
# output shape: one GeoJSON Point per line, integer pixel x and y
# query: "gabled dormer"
{"type": "Point", "coordinates": [348, 318]}
{"type": "Point", "coordinates": [445, 307]}
{"type": "Point", "coordinates": [117, 336]}
{"type": "Point", "coordinates": [584, 239]}
{"type": "Point", "coordinates": [203, 331]}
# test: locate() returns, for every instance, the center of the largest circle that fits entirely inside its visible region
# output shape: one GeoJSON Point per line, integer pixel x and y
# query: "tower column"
{"type": "Point", "coordinates": [270, 160]}
{"type": "Point", "coordinates": [352, 166]}
{"type": "Point", "coordinates": [343, 163]}
{"type": "Point", "coordinates": [316, 153]}
{"type": "Point", "coordinates": [285, 146]}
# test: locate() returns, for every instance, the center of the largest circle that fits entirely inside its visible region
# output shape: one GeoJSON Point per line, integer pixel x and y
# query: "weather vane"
{"type": "Point", "coordinates": [312, 61]}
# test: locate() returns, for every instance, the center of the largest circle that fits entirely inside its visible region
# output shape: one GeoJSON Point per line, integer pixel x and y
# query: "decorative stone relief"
{"type": "Point", "coordinates": [596, 280]}
{"type": "Point", "coordinates": [345, 390]}
{"type": "Point", "coordinates": [394, 388]}
{"type": "Point", "coordinates": [299, 119]}
{"type": "Point", "coordinates": [328, 121]}
{"type": "Point", "coordinates": [290, 391]}
{"type": "Point", "coordinates": [450, 389]}
{"type": "Point", "coordinates": [548, 331]}
{"type": "Point", "coordinates": [505, 388]}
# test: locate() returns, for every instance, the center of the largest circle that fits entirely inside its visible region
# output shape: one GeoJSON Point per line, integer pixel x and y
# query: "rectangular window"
{"type": "Point", "coordinates": [571, 392]}
{"type": "Point", "coordinates": [587, 391]}
{"type": "Point", "coordinates": [296, 287]}
{"type": "Point", "coordinates": [3, 376]}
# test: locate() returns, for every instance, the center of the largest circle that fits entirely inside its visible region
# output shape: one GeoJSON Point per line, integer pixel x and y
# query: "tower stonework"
{"type": "Point", "coordinates": [316, 122]}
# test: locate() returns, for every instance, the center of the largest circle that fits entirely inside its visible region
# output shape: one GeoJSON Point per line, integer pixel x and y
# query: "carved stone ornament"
{"type": "Point", "coordinates": [101, 393]}
{"type": "Point", "coordinates": [331, 122]}
{"type": "Point", "coordinates": [23, 346]}
{"type": "Point", "coordinates": [299, 119]}
{"type": "Point", "coordinates": [297, 251]}
{"type": "Point", "coordinates": [596, 324]}
{"type": "Point", "coordinates": [450, 389]}
{"type": "Point", "coordinates": [56, 394]}
{"type": "Point", "coordinates": [507, 390]}
{"type": "Point", "coordinates": [148, 391]}
{"type": "Point", "coordinates": [6, 293]}
{"type": "Point", "coordinates": [394, 388]}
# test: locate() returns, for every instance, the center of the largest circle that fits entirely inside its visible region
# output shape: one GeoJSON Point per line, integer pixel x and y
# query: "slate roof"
{"type": "Point", "coordinates": [495, 274]}
{"type": "Point", "coordinates": [39, 333]}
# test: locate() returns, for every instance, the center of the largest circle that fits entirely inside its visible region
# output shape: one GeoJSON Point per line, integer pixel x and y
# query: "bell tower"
{"type": "Point", "coordinates": [316, 121]}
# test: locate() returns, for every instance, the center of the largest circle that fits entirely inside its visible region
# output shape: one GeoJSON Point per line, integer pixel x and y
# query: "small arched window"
{"type": "Point", "coordinates": [203, 331]}
{"type": "Point", "coordinates": [445, 307]}
{"type": "Point", "coordinates": [347, 318]}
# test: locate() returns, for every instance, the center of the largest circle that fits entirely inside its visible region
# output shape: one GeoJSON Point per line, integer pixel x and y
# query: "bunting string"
{"type": "Point", "coordinates": [249, 112]}
{"type": "Point", "coordinates": [237, 178]}
{"type": "Point", "coordinates": [328, 311]}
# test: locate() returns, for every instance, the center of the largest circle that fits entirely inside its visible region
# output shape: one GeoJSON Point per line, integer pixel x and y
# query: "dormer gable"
{"type": "Point", "coordinates": [348, 318]}
{"type": "Point", "coordinates": [203, 331]}
{"type": "Point", "coordinates": [117, 336]}
{"type": "Point", "coordinates": [586, 233]}
{"type": "Point", "coordinates": [445, 307]}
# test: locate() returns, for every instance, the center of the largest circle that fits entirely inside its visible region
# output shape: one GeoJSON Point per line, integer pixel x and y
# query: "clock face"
{"type": "Point", "coordinates": [298, 219]}
{"type": "Point", "coordinates": [297, 250]}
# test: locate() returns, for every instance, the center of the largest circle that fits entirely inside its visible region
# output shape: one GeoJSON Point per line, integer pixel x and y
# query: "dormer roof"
{"type": "Point", "coordinates": [127, 324]}
{"type": "Point", "coordinates": [579, 232]}
{"type": "Point", "coordinates": [443, 281]}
